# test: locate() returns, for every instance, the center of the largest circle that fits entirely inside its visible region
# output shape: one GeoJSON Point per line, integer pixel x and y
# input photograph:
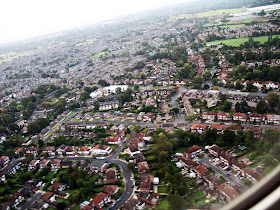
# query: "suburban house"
{"type": "Point", "coordinates": [33, 151]}
{"type": "Point", "coordinates": [133, 204]}
{"type": "Point", "coordinates": [254, 117]}
{"type": "Point", "coordinates": [15, 199]}
{"type": "Point", "coordinates": [226, 158]}
{"type": "Point", "coordinates": [273, 119]}
{"type": "Point", "coordinates": [49, 197]}
{"type": "Point", "coordinates": [213, 181]}
{"type": "Point", "coordinates": [100, 200]}
{"type": "Point", "coordinates": [12, 168]}
{"type": "Point", "coordinates": [33, 165]}
{"type": "Point", "coordinates": [201, 171]}
{"type": "Point", "coordinates": [58, 187]}
{"type": "Point", "coordinates": [61, 149]}
{"type": "Point", "coordinates": [50, 150]}
{"type": "Point", "coordinates": [228, 192]}
{"type": "Point", "coordinates": [194, 151]}
{"type": "Point", "coordinates": [100, 149]}
{"type": "Point", "coordinates": [220, 128]}
{"type": "Point", "coordinates": [239, 117]}
{"type": "Point", "coordinates": [215, 150]}
{"type": "Point", "coordinates": [150, 199]}
{"type": "Point", "coordinates": [235, 128]}
{"type": "Point", "coordinates": [209, 116]}
{"type": "Point", "coordinates": [223, 116]}
{"type": "Point", "coordinates": [198, 128]}
{"type": "Point", "coordinates": [238, 166]}
{"type": "Point", "coordinates": [56, 164]}
{"type": "Point", "coordinates": [84, 150]}
{"type": "Point", "coordinates": [272, 85]}
{"type": "Point", "coordinates": [111, 189]}
{"type": "Point", "coordinates": [113, 139]}
{"type": "Point", "coordinates": [257, 131]}
{"type": "Point", "coordinates": [143, 167]}
{"type": "Point", "coordinates": [252, 174]}
{"type": "Point", "coordinates": [107, 105]}
{"type": "Point", "coordinates": [188, 163]}
{"type": "Point", "coordinates": [146, 182]}
{"type": "Point", "coordinates": [4, 160]}
{"type": "Point", "coordinates": [110, 175]}
{"type": "Point", "coordinates": [44, 163]}
{"type": "Point", "coordinates": [97, 166]}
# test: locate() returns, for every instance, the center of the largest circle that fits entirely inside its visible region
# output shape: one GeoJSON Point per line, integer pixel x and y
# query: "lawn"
{"type": "Point", "coordinates": [14, 55]}
{"type": "Point", "coordinates": [195, 196]}
{"type": "Point", "coordinates": [101, 54]}
{"type": "Point", "coordinates": [219, 12]}
{"type": "Point", "coordinates": [232, 26]}
{"type": "Point", "coordinates": [164, 204]}
{"type": "Point", "coordinates": [162, 189]}
{"type": "Point", "coordinates": [84, 43]}
{"type": "Point", "coordinates": [181, 150]}
{"type": "Point", "coordinates": [238, 42]}
{"type": "Point", "coordinates": [60, 200]}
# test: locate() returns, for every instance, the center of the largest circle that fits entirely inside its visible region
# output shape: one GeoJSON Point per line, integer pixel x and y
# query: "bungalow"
{"type": "Point", "coordinates": [215, 150]}
{"type": "Point", "coordinates": [20, 151]}
{"type": "Point", "coordinates": [213, 181]}
{"type": "Point", "coordinates": [258, 84]}
{"type": "Point", "coordinates": [111, 189]}
{"type": "Point", "coordinates": [133, 149]}
{"type": "Point", "coordinates": [50, 150]}
{"type": "Point", "coordinates": [139, 142]}
{"type": "Point", "coordinates": [49, 197]}
{"type": "Point", "coordinates": [15, 199]}
{"type": "Point", "coordinates": [252, 174]}
{"type": "Point", "coordinates": [254, 117]}
{"type": "Point", "coordinates": [56, 164]}
{"type": "Point", "coordinates": [220, 128]}
{"type": "Point", "coordinates": [239, 117]}
{"type": "Point", "coordinates": [70, 150]}
{"type": "Point", "coordinates": [100, 149]}
{"type": "Point", "coordinates": [33, 151]}
{"type": "Point", "coordinates": [58, 187]}
{"type": "Point", "coordinates": [227, 191]}
{"type": "Point", "coordinates": [44, 163]}
{"type": "Point", "coordinates": [198, 128]}
{"type": "Point", "coordinates": [201, 171]}
{"type": "Point", "coordinates": [33, 164]}
{"type": "Point", "coordinates": [97, 166]}
{"type": "Point", "coordinates": [143, 167]}
{"type": "Point", "coordinates": [100, 200]}
{"type": "Point", "coordinates": [223, 116]}
{"type": "Point", "coordinates": [113, 139]}
{"type": "Point", "coordinates": [194, 151]}
{"type": "Point", "coordinates": [209, 116]}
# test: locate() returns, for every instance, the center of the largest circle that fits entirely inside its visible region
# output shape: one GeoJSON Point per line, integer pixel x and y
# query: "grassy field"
{"type": "Point", "coordinates": [232, 26]}
{"type": "Point", "coordinates": [238, 42]}
{"type": "Point", "coordinates": [84, 43]}
{"type": "Point", "coordinates": [14, 55]}
{"type": "Point", "coordinates": [98, 55]}
{"type": "Point", "coordinates": [174, 18]}
{"type": "Point", "coordinates": [218, 12]}
{"type": "Point", "coordinates": [164, 204]}
{"type": "Point", "coordinates": [162, 189]}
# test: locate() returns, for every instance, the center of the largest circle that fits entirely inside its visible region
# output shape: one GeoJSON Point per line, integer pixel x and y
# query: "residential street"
{"type": "Point", "coordinates": [218, 170]}
{"type": "Point", "coordinates": [30, 201]}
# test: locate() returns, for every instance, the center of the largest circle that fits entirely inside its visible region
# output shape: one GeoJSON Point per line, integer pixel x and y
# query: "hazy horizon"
{"type": "Point", "coordinates": [31, 18]}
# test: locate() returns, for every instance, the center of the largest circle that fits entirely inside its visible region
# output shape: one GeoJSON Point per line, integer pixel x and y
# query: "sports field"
{"type": "Point", "coordinates": [13, 55]}
{"type": "Point", "coordinates": [238, 42]}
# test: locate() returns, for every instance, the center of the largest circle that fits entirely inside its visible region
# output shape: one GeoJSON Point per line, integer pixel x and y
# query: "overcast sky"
{"type": "Point", "coordinates": [21, 19]}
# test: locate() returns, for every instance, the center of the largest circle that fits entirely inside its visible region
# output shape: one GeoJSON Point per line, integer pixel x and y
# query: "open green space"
{"type": "Point", "coordinates": [239, 41]}
{"type": "Point", "coordinates": [178, 17]}
{"type": "Point", "coordinates": [84, 43]}
{"type": "Point", "coordinates": [164, 204]}
{"type": "Point", "coordinates": [101, 54]}
{"type": "Point", "coordinates": [162, 189]}
{"type": "Point", "coordinates": [14, 55]}
{"type": "Point", "coordinates": [232, 26]}
{"type": "Point", "coordinates": [219, 12]}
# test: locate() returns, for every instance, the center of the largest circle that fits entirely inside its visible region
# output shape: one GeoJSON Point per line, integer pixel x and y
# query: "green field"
{"type": "Point", "coordinates": [14, 55]}
{"type": "Point", "coordinates": [162, 189]}
{"type": "Point", "coordinates": [164, 204]}
{"type": "Point", "coordinates": [101, 54]}
{"type": "Point", "coordinates": [232, 26]}
{"type": "Point", "coordinates": [219, 12]}
{"type": "Point", "coordinates": [238, 42]}
{"type": "Point", "coordinates": [84, 43]}
{"type": "Point", "coordinates": [174, 18]}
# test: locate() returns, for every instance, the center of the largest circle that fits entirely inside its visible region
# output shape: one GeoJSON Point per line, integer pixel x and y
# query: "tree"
{"type": "Point", "coordinates": [249, 138]}
{"type": "Point", "coordinates": [33, 128]}
{"type": "Point", "coordinates": [273, 100]}
{"type": "Point", "coordinates": [227, 106]}
{"type": "Point", "coordinates": [131, 166]}
{"type": "Point", "coordinates": [182, 190]}
{"type": "Point", "coordinates": [262, 107]}
{"type": "Point", "coordinates": [271, 137]}
{"type": "Point", "coordinates": [118, 90]}
{"type": "Point", "coordinates": [103, 83]}
{"type": "Point", "coordinates": [176, 202]}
